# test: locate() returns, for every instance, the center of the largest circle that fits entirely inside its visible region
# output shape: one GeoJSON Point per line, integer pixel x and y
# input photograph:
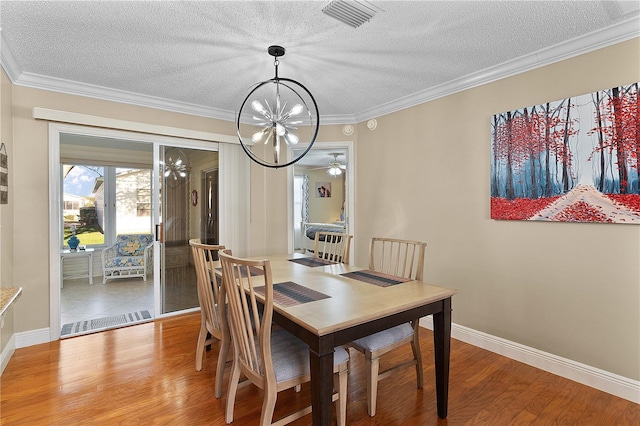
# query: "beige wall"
{"type": "Point", "coordinates": [325, 210]}
{"type": "Point", "coordinates": [568, 289]}
{"type": "Point", "coordinates": [6, 210]}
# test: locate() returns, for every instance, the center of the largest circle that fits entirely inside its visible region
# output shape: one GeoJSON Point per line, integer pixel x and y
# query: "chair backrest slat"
{"type": "Point", "coordinates": [402, 258]}
{"type": "Point", "coordinates": [332, 246]}
{"type": "Point", "coordinates": [249, 321]}
{"type": "Point", "coordinates": [205, 258]}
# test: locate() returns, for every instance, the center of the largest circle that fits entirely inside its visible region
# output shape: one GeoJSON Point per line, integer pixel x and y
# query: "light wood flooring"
{"type": "Point", "coordinates": [145, 375]}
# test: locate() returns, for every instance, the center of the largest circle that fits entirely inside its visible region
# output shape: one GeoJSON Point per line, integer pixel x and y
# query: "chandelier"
{"type": "Point", "coordinates": [276, 113]}
{"type": "Point", "coordinates": [175, 166]}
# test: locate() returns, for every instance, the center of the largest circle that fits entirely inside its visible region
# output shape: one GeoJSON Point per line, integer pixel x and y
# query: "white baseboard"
{"type": "Point", "coordinates": [605, 381]}
{"type": "Point", "coordinates": [8, 350]}
{"type": "Point", "coordinates": [32, 337]}
{"type": "Point", "coordinates": [22, 340]}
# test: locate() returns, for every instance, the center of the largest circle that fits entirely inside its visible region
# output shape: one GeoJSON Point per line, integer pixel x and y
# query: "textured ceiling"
{"type": "Point", "coordinates": [200, 57]}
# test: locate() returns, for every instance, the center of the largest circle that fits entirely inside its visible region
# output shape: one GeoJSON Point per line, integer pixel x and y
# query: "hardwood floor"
{"type": "Point", "coordinates": [145, 375]}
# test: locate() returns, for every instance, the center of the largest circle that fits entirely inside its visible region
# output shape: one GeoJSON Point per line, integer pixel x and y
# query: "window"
{"type": "Point", "coordinates": [79, 203]}
{"type": "Point", "coordinates": [71, 205]}
{"type": "Point", "coordinates": [103, 201]}
{"type": "Point", "coordinates": [144, 202]}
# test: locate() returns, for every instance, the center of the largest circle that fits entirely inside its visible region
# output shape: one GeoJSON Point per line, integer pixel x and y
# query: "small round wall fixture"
{"type": "Point", "coordinates": [372, 124]}
{"type": "Point", "coordinates": [347, 129]}
{"type": "Point", "coordinates": [277, 113]}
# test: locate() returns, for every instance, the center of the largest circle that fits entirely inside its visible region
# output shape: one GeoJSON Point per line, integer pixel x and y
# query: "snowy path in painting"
{"type": "Point", "coordinates": [587, 200]}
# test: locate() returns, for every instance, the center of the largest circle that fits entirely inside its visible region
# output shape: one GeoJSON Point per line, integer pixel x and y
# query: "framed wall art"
{"type": "Point", "coordinates": [572, 160]}
{"type": "Point", "coordinates": [323, 189]}
{"type": "Point", "coordinates": [4, 175]}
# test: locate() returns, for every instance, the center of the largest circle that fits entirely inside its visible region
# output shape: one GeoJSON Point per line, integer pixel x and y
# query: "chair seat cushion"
{"type": "Point", "coordinates": [116, 262]}
{"type": "Point", "coordinates": [290, 356]}
{"type": "Point", "coordinates": [383, 338]}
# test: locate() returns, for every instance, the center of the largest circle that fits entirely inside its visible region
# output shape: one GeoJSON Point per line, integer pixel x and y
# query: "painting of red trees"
{"type": "Point", "coordinates": [573, 160]}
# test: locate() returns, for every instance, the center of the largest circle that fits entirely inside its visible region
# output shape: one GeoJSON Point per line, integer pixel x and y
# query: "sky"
{"type": "Point", "coordinates": [80, 180]}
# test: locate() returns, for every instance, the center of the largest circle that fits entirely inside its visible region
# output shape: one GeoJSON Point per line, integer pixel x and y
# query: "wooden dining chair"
{"type": "Point", "coordinates": [332, 246]}
{"type": "Point", "coordinates": [272, 359]}
{"type": "Point", "coordinates": [212, 326]}
{"type": "Point", "coordinates": [404, 259]}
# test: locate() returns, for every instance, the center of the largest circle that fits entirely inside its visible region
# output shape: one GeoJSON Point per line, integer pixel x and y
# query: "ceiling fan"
{"type": "Point", "coordinates": [334, 168]}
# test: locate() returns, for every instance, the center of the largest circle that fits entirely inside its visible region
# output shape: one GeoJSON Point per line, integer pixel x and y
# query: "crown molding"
{"type": "Point", "coordinates": [329, 119]}
{"type": "Point", "coordinates": [624, 30]}
{"type": "Point", "coordinates": [614, 34]}
{"type": "Point", "coordinates": [55, 84]}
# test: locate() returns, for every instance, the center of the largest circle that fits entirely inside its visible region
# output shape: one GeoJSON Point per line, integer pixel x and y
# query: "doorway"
{"type": "Point", "coordinates": [172, 201]}
{"type": "Point", "coordinates": [309, 203]}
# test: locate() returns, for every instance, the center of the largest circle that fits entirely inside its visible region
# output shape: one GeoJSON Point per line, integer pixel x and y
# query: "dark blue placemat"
{"type": "Point", "coordinates": [376, 278]}
{"type": "Point", "coordinates": [290, 294]}
{"type": "Point", "coordinates": [312, 261]}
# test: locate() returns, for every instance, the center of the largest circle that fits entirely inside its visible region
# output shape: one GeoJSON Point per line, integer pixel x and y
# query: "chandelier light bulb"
{"type": "Point", "coordinates": [291, 138]}
{"type": "Point", "coordinates": [257, 107]}
{"type": "Point", "coordinates": [297, 109]}
{"type": "Point", "coordinates": [257, 136]}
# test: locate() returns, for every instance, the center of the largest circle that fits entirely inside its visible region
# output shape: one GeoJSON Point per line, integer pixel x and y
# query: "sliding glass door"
{"type": "Point", "coordinates": [188, 209]}
{"type": "Point", "coordinates": [108, 183]}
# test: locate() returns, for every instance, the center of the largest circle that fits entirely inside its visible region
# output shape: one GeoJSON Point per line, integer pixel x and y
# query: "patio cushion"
{"type": "Point", "coordinates": [132, 245]}
{"type": "Point", "coordinates": [124, 261]}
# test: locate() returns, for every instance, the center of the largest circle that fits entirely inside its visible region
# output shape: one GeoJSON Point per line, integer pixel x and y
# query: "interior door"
{"type": "Point", "coordinates": [181, 184]}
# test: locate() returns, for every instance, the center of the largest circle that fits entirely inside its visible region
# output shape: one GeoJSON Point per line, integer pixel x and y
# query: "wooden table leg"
{"type": "Point", "coordinates": [442, 349]}
{"type": "Point", "coordinates": [321, 386]}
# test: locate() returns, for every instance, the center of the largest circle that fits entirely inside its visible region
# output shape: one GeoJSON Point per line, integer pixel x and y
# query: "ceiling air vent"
{"type": "Point", "coordinates": [351, 12]}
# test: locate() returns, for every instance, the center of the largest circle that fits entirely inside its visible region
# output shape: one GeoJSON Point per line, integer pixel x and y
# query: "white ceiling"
{"type": "Point", "coordinates": [200, 57]}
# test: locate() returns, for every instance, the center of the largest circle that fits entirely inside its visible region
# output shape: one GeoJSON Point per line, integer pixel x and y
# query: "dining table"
{"type": "Point", "coordinates": [328, 304]}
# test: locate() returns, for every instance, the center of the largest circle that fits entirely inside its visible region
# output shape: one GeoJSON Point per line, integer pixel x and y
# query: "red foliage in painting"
{"type": "Point", "coordinates": [631, 201]}
{"type": "Point", "coordinates": [518, 209]}
{"type": "Point", "coordinates": [618, 115]}
{"type": "Point", "coordinates": [526, 143]}
{"type": "Point", "coordinates": [618, 130]}
{"type": "Point", "coordinates": [582, 212]}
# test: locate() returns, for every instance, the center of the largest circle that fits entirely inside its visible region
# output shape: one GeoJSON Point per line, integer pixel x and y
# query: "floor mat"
{"type": "Point", "coordinates": [98, 324]}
